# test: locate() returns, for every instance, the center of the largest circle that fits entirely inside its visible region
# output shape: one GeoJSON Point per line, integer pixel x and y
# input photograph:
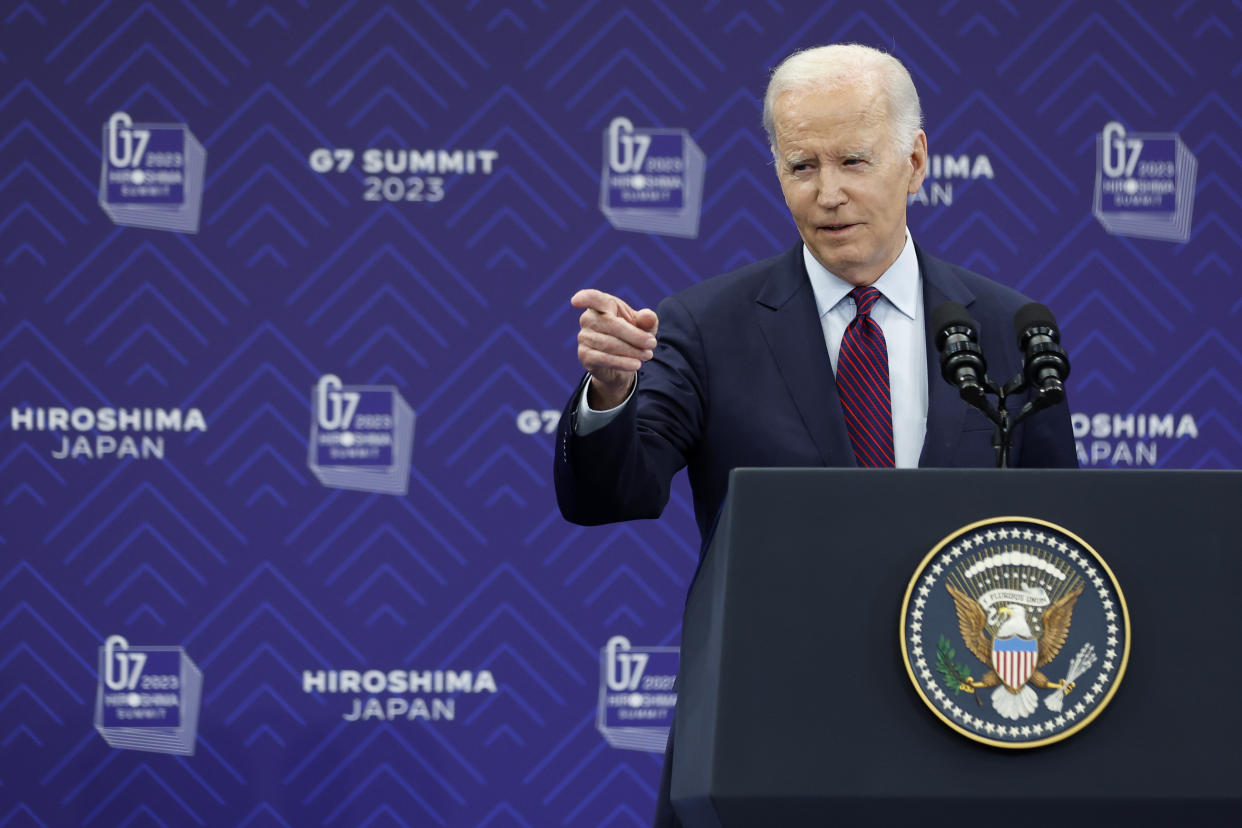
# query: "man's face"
{"type": "Point", "coordinates": [844, 178]}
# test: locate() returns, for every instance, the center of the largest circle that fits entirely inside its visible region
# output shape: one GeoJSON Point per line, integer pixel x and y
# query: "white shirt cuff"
{"type": "Point", "coordinates": [589, 419]}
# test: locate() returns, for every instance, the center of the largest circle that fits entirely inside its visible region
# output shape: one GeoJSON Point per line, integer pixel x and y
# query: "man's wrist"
{"type": "Point", "coordinates": [589, 419]}
{"type": "Point", "coordinates": [604, 397]}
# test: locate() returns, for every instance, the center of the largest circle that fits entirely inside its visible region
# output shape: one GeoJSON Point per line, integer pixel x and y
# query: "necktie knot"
{"type": "Point", "coordinates": [865, 299]}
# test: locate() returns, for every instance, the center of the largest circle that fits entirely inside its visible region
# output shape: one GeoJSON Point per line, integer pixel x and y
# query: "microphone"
{"type": "Point", "coordinates": [961, 360]}
{"type": "Point", "coordinates": [1045, 363]}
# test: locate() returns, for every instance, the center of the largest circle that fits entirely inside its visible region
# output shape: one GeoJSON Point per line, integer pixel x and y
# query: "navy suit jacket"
{"type": "Point", "coordinates": [741, 377]}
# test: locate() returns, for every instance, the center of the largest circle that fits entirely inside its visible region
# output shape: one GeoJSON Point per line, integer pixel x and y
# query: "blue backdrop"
{"type": "Point", "coordinates": [222, 269]}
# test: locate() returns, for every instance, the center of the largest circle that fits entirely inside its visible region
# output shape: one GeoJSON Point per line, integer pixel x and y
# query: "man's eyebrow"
{"type": "Point", "coordinates": [795, 158]}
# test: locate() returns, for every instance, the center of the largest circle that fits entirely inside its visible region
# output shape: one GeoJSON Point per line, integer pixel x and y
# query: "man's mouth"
{"type": "Point", "coordinates": [835, 227]}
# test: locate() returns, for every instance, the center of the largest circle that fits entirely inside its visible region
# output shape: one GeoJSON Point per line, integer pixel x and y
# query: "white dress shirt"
{"type": "Point", "coordinates": [899, 313]}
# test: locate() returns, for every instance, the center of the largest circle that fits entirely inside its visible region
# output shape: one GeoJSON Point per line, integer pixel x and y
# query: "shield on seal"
{"type": "Point", "coordinates": [1014, 659]}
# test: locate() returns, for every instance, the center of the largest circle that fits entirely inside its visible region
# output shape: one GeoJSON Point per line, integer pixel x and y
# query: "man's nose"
{"type": "Point", "coordinates": [831, 194]}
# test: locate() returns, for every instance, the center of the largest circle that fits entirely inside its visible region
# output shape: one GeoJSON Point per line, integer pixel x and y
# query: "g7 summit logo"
{"type": "Point", "coordinates": [152, 175]}
{"type": "Point", "coordinates": [361, 437]}
{"type": "Point", "coordinates": [637, 694]}
{"type": "Point", "coordinates": [148, 697]}
{"type": "Point", "coordinates": [652, 180]}
{"type": "Point", "coordinates": [1144, 184]}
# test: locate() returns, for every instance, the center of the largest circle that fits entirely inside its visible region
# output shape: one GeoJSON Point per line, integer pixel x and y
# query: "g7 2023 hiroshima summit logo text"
{"type": "Point", "coordinates": [1015, 632]}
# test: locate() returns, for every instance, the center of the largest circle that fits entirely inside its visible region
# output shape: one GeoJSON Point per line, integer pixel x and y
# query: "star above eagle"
{"type": "Point", "coordinates": [1013, 698]}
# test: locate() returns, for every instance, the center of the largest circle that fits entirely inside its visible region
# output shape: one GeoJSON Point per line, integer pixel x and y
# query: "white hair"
{"type": "Point", "coordinates": [844, 64]}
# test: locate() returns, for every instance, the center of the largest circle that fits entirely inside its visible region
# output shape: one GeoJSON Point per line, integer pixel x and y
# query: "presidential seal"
{"type": "Point", "coordinates": [1015, 632]}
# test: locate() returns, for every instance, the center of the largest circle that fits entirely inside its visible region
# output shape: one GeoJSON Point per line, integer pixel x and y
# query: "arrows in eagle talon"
{"type": "Point", "coordinates": [1080, 664]}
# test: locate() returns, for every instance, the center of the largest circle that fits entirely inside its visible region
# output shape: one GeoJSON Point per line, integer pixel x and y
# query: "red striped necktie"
{"type": "Point", "coordinates": [862, 383]}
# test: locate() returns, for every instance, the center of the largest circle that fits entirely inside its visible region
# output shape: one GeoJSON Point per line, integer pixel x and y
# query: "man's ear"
{"type": "Point", "coordinates": [918, 163]}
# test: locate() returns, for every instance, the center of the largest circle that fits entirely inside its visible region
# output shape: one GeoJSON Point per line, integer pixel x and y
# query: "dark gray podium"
{"type": "Point", "coordinates": [795, 707]}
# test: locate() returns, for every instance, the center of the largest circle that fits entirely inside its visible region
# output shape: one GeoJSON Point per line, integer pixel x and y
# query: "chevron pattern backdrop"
{"type": "Point", "coordinates": [230, 547]}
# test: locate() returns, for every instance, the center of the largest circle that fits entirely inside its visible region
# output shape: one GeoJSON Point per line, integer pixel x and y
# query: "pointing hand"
{"type": "Point", "coordinates": [613, 343]}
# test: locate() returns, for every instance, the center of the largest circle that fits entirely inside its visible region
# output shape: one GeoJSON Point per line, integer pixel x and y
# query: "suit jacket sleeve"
{"type": "Point", "coordinates": [623, 470]}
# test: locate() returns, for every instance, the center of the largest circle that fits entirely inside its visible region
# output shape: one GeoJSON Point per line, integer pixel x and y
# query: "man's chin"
{"type": "Point", "coordinates": [846, 267]}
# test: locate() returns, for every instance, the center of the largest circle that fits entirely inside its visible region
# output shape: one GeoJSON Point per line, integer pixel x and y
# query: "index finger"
{"type": "Point", "coordinates": [602, 302]}
{"type": "Point", "coordinates": [595, 300]}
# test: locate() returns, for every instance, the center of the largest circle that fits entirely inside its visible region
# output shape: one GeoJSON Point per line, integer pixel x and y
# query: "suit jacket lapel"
{"type": "Point", "coordinates": [946, 413]}
{"type": "Point", "coordinates": [790, 323]}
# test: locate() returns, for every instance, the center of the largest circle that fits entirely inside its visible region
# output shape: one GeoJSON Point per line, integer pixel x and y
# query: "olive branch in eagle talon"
{"type": "Point", "coordinates": [953, 676]}
{"type": "Point", "coordinates": [1014, 702]}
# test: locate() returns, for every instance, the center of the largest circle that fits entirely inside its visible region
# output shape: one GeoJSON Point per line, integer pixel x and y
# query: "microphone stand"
{"type": "Point", "coordinates": [998, 414]}
{"type": "Point", "coordinates": [1002, 435]}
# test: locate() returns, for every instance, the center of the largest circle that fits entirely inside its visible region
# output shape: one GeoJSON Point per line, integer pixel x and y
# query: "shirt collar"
{"type": "Point", "coordinates": [899, 284]}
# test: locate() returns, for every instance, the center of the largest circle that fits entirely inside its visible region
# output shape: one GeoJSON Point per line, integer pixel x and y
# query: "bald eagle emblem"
{"type": "Point", "coordinates": [1043, 618]}
{"type": "Point", "coordinates": [996, 628]}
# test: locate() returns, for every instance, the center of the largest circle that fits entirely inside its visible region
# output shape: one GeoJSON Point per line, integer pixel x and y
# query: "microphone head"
{"type": "Point", "coordinates": [1034, 315]}
{"type": "Point", "coordinates": [950, 315]}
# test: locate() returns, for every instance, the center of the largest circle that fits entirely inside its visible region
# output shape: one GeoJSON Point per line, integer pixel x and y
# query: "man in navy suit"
{"type": "Point", "coordinates": [747, 369]}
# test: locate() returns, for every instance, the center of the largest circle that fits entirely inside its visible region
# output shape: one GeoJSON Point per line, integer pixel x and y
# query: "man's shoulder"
{"type": "Point", "coordinates": [744, 285]}
{"type": "Point", "coordinates": [988, 292]}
